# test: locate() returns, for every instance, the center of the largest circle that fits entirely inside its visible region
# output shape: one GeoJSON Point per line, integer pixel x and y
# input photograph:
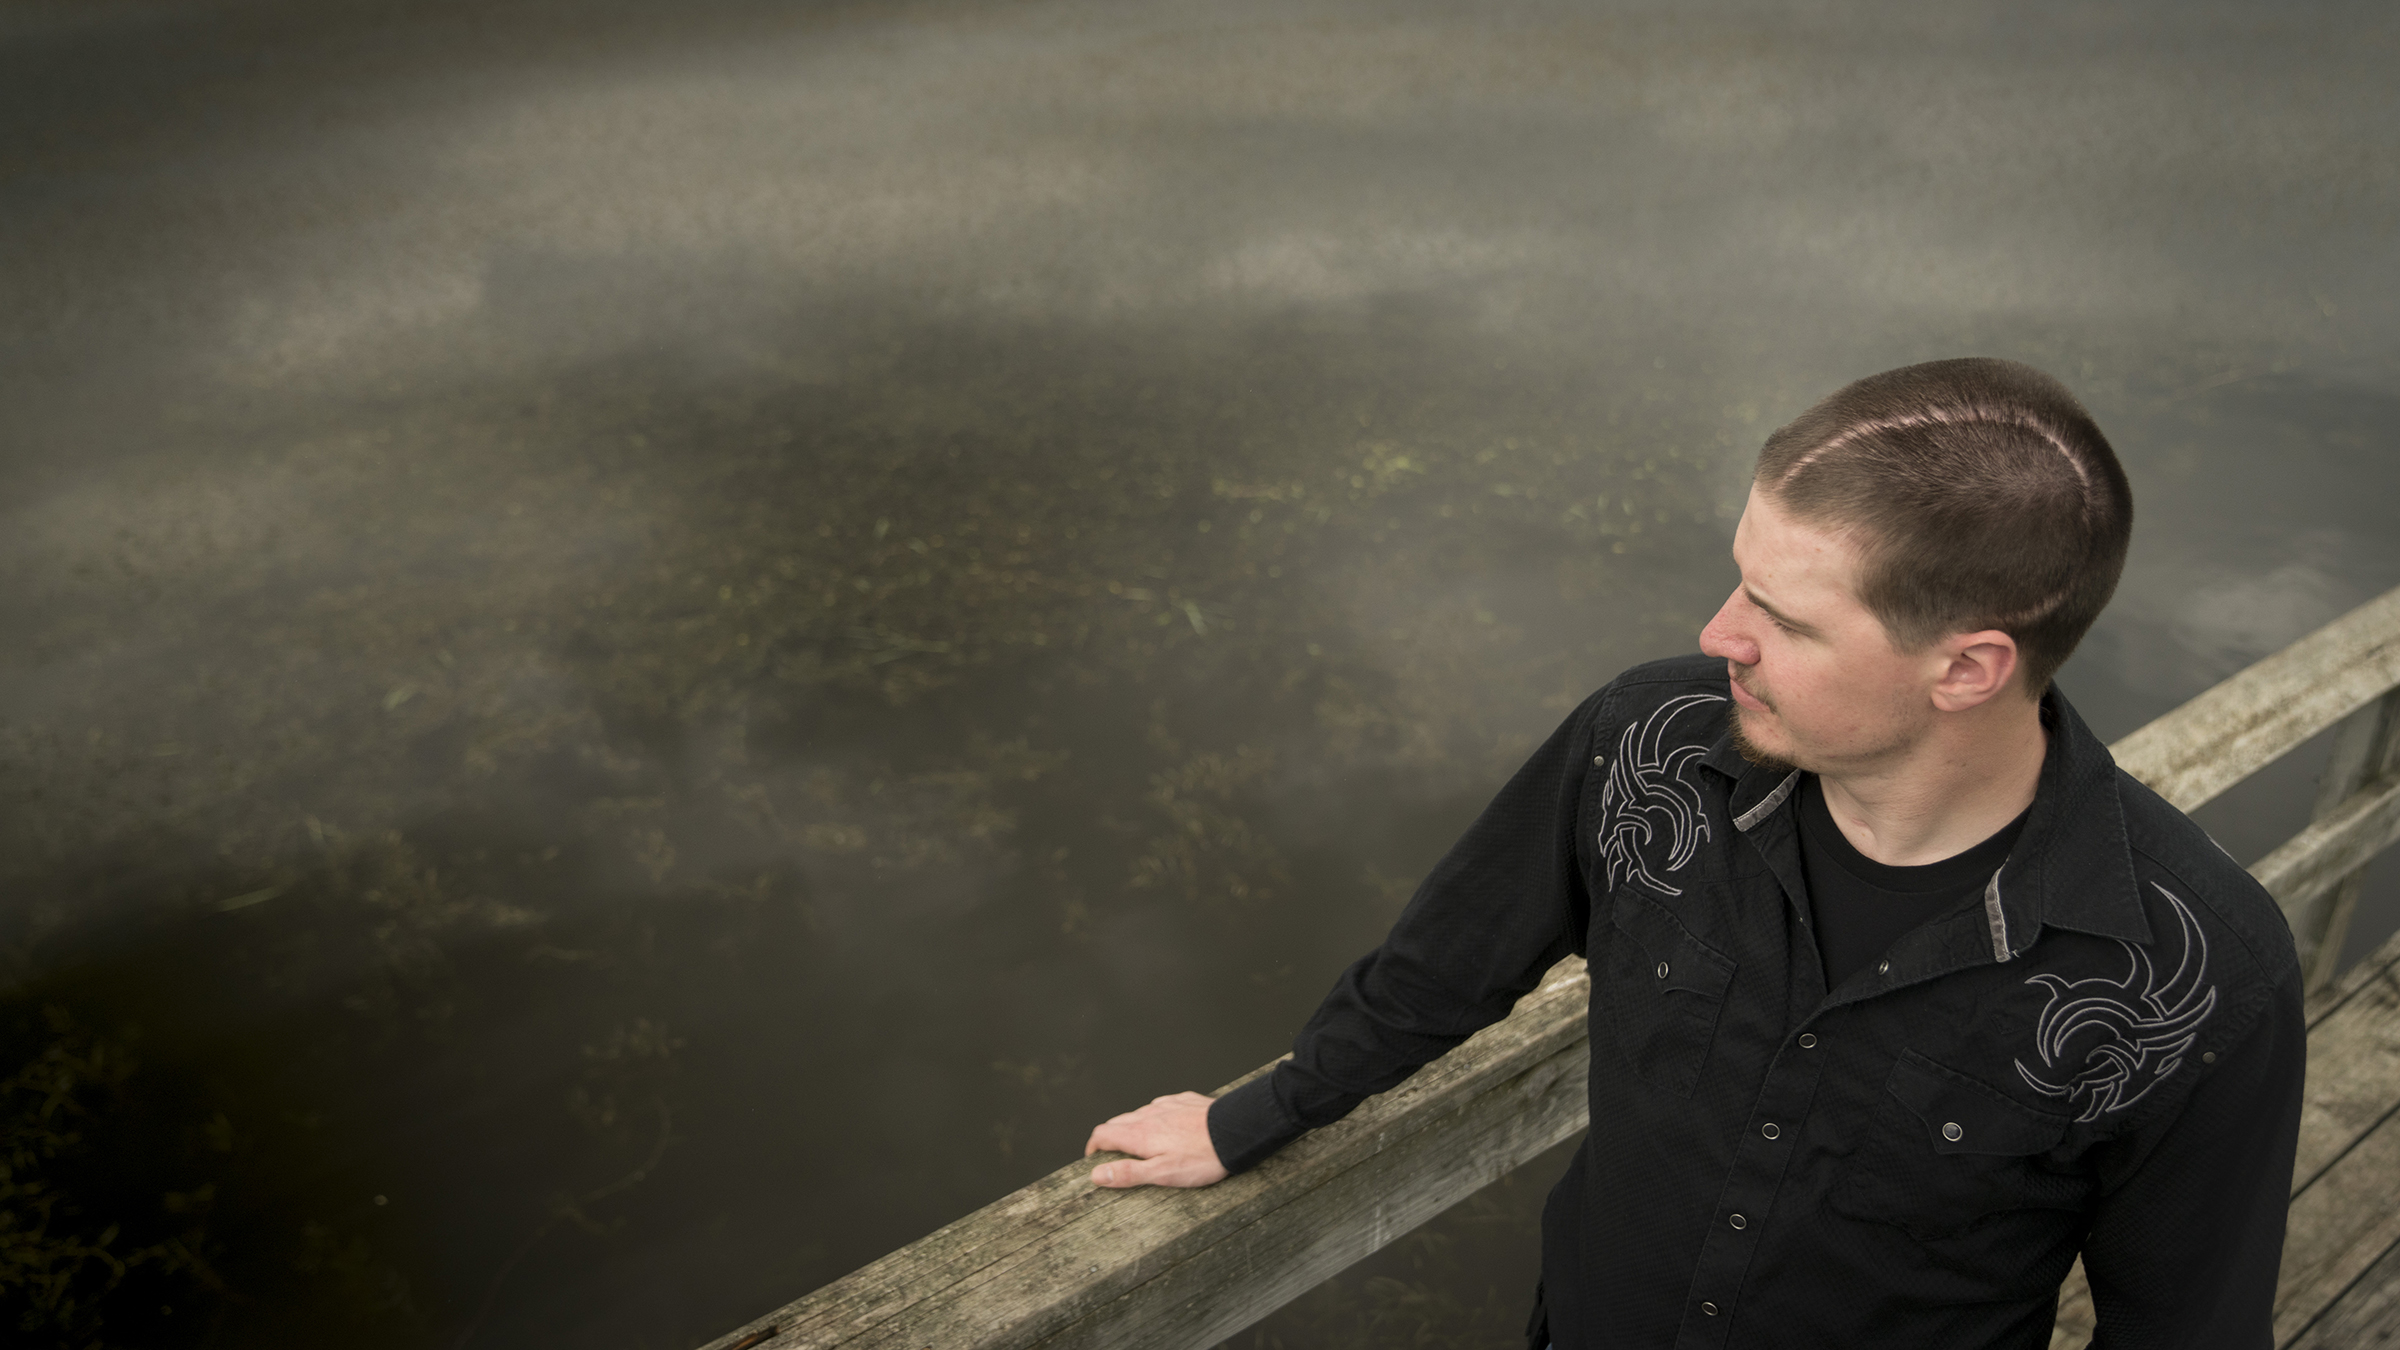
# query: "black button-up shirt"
{"type": "Point", "coordinates": [2102, 1052]}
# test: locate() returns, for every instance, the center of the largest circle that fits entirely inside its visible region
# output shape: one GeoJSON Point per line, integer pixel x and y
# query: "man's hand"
{"type": "Point", "coordinates": [1169, 1143]}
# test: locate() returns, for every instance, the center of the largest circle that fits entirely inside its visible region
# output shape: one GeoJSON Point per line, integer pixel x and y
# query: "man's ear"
{"type": "Point", "coordinates": [1978, 668]}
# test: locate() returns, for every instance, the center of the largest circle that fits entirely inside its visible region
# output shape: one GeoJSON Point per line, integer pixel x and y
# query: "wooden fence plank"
{"type": "Point", "coordinates": [2343, 1218]}
{"type": "Point", "coordinates": [2366, 1314]}
{"type": "Point", "coordinates": [1284, 1255]}
{"type": "Point", "coordinates": [2319, 858]}
{"type": "Point", "coordinates": [2073, 1328]}
{"type": "Point", "coordinates": [2353, 1076]}
{"type": "Point", "coordinates": [2230, 732]}
{"type": "Point", "coordinates": [2340, 1225]}
{"type": "Point", "coordinates": [1062, 1257]}
{"type": "Point", "coordinates": [2376, 967]}
{"type": "Point", "coordinates": [2368, 749]}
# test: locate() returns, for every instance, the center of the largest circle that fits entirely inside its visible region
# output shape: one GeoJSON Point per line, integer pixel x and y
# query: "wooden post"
{"type": "Point", "coordinates": [2366, 752]}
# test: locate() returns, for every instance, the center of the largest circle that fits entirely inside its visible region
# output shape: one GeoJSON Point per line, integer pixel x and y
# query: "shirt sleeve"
{"type": "Point", "coordinates": [1503, 906]}
{"type": "Point", "coordinates": [2184, 1247]}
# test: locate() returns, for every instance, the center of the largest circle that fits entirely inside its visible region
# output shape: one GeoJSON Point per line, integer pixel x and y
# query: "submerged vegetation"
{"type": "Point", "coordinates": [404, 779]}
{"type": "Point", "coordinates": [64, 1252]}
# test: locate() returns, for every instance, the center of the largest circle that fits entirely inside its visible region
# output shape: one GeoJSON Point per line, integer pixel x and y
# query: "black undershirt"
{"type": "Point", "coordinates": [1861, 905]}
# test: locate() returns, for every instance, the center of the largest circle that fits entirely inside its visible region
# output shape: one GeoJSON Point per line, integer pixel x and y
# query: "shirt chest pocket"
{"type": "Point", "coordinates": [1664, 990]}
{"type": "Point", "coordinates": [1943, 1150]}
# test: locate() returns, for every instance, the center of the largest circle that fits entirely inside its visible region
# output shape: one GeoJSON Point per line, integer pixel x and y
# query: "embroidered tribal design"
{"type": "Point", "coordinates": [1645, 799]}
{"type": "Point", "coordinates": [2136, 1029]}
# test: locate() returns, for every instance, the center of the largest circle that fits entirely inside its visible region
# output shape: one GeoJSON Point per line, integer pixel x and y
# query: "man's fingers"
{"type": "Point", "coordinates": [1122, 1133]}
{"type": "Point", "coordinates": [1159, 1171]}
{"type": "Point", "coordinates": [1164, 1170]}
{"type": "Point", "coordinates": [1116, 1137]}
{"type": "Point", "coordinates": [1168, 1141]}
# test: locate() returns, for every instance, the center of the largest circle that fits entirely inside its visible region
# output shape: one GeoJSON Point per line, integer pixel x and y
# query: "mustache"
{"type": "Point", "coordinates": [1733, 672]}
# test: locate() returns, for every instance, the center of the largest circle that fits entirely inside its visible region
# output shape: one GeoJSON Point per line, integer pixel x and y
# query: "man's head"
{"type": "Point", "coordinates": [1923, 541]}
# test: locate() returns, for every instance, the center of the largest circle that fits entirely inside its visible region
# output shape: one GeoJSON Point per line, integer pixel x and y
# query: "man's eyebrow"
{"type": "Point", "coordinates": [1787, 620]}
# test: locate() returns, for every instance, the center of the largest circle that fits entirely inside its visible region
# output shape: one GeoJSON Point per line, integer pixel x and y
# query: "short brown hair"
{"type": "Point", "coordinates": [1981, 495]}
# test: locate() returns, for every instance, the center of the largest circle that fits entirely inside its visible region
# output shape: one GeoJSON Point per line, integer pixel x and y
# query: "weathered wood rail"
{"type": "Point", "coordinates": [1064, 1264]}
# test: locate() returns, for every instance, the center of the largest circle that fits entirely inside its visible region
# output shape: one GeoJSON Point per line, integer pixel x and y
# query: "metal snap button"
{"type": "Point", "coordinates": [1662, 970]}
{"type": "Point", "coordinates": [1884, 969]}
{"type": "Point", "coordinates": [1770, 1130]}
{"type": "Point", "coordinates": [1709, 1308]}
{"type": "Point", "coordinates": [2208, 1056]}
{"type": "Point", "coordinates": [1808, 1040]}
{"type": "Point", "coordinates": [1598, 760]}
{"type": "Point", "coordinates": [1738, 1221]}
{"type": "Point", "coordinates": [1951, 1132]}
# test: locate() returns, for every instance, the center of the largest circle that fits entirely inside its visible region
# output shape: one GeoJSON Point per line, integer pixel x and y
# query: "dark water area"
{"type": "Point", "coordinates": [651, 649]}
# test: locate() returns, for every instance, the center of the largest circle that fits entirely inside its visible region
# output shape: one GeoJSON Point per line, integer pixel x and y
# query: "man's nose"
{"type": "Point", "coordinates": [1722, 637]}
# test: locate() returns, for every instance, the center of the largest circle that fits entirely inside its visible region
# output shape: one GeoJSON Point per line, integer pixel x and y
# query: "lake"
{"type": "Point", "coordinates": [651, 649]}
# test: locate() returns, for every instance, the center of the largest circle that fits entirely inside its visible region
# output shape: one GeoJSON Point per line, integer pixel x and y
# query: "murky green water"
{"type": "Point", "coordinates": [651, 651]}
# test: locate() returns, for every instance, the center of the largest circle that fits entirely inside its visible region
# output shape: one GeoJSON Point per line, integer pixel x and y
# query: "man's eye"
{"type": "Point", "coordinates": [1780, 624]}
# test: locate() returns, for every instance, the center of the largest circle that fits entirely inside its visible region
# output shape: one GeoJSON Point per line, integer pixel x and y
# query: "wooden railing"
{"type": "Point", "coordinates": [2347, 669]}
{"type": "Point", "coordinates": [1062, 1263]}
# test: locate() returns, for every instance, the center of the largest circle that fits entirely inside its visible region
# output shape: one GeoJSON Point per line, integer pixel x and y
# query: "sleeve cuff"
{"type": "Point", "coordinates": [1248, 1123]}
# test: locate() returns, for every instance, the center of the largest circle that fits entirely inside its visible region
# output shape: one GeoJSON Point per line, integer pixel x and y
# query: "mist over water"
{"type": "Point", "coordinates": [651, 650]}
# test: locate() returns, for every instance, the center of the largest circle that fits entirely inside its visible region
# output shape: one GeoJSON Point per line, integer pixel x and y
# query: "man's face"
{"type": "Point", "coordinates": [1817, 683]}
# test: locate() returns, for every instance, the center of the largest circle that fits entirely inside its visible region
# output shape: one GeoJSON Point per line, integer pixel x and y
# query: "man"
{"type": "Point", "coordinates": [1902, 995]}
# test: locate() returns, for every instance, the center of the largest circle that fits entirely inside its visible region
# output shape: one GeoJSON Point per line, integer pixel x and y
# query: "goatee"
{"type": "Point", "coordinates": [1749, 749]}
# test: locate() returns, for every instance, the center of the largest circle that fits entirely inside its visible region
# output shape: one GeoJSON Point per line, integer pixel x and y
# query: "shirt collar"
{"type": "Point", "coordinates": [2072, 866]}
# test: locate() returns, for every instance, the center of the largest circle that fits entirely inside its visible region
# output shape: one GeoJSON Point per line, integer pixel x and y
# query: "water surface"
{"type": "Point", "coordinates": [655, 649]}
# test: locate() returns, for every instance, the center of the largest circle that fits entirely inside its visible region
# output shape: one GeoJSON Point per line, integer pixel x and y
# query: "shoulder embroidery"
{"type": "Point", "coordinates": [2133, 1031]}
{"type": "Point", "coordinates": [1646, 798]}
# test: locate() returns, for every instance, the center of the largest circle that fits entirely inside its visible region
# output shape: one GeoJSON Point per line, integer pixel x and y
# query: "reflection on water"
{"type": "Point", "coordinates": [646, 663]}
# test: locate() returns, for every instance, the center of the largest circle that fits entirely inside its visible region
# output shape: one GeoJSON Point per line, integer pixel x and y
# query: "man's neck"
{"type": "Point", "coordinates": [1951, 790]}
